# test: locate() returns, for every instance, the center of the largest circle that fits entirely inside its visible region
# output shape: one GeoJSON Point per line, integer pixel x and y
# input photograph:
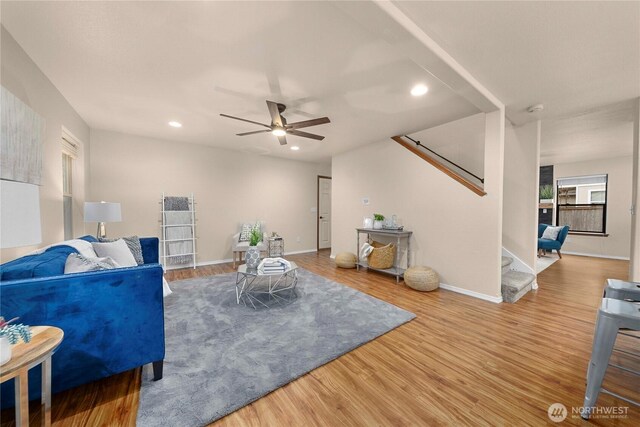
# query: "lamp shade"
{"type": "Point", "coordinates": [102, 212]}
{"type": "Point", "coordinates": [19, 214]}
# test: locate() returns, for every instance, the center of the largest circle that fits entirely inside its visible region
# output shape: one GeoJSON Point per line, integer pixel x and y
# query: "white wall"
{"type": "Point", "coordinates": [520, 212]}
{"type": "Point", "coordinates": [634, 265]}
{"type": "Point", "coordinates": [618, 243]}
{"type": "Point", "coordinates": [22, 77]}
{"type": "Point", "coordinates": [456, 232]}
{"type": "Point", "coordinates": [230, 187]}
{"type": "Point", "coordinates": [461, 141]}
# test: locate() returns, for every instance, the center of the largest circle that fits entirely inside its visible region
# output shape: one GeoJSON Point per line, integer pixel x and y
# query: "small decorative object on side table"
{"type": "Point", "coordinates": [10, 334]}
{"type": "Point", "coordinates": [45, 340]}
{"type": "Point", "coordinates": [276, 246]}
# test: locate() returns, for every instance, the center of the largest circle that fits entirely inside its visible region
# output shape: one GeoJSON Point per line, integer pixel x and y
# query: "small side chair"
{"type": "Point", "coordinates": [550, 245]}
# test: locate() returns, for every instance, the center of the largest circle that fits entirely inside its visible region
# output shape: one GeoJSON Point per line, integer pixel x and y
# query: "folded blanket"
{"type": "Point", "coordinates": [166, 290]}
{"type": "Point", "coordinates": [365, 250]}
{"type": "Point", "coordinates": [83, 247]}
{"type": "Point", "coordinates": [172, 203]}
{"type": "Point", "coordinates": [183, 231]}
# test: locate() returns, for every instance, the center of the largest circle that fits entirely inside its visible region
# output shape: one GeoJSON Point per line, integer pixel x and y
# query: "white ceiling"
{"type": "Point", "coordinates": [133, 66]}
{"type": "Point", "coordinates": [579, 59]}
{"type": "Point", "coordinates": [570, 56]}
{"type": "Point", "coordinates": [595, 134]}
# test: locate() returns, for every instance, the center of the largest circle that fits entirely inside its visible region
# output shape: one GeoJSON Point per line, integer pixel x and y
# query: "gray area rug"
{"type": "Point", "coordinates": [221, 356]}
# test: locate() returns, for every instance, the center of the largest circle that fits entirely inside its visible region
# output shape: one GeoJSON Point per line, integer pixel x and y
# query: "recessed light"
{"type": "Point", "coordinates": [295, 147]}
{"type": "Point", "coordinates": [419, 90]}
{"type": "Point", "coordinates": [279, 132]}
{"type": "Point", "coordinates": [175, 124]}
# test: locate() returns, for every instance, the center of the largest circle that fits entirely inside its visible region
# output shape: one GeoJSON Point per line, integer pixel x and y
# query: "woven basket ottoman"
{"type": "Point", "coordinates": [346, 260]}
{"type": "Point", "coordinates": [421, 278]}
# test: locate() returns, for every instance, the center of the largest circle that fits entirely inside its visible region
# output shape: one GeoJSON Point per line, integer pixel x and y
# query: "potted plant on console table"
{"type": "Point", "coordinates": [378, 221]}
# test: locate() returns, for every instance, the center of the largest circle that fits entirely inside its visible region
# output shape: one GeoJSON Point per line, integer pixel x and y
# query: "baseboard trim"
{"type": "Point", "coordinates": [596, 255]}
{"type": "Point", "coordinates": [198, 264]}
{"type": "Point", "coordinates": [223, 261]}
{"type": "Point", "coordinates": [474, 294]}
{"type": "Point", "coordinates": [304, 251]}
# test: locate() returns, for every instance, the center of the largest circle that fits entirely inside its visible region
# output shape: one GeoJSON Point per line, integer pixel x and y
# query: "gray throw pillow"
{"type": "Point", "coordinates": [551, 233]}
{"type": "Point", "coordinates": [133, 243]}
{"type": "Point", "coordinates": [77, 263]}
{"type": "Point", "coordinates": [117, 250]}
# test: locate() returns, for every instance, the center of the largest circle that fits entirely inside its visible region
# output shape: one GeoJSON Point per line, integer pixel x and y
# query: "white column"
{"type": "Point", "coordinates": [494, 185]}
{"type": "Point", "coordinates": [634, 267]}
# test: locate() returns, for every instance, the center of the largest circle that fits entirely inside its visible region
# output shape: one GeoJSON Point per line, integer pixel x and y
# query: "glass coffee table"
{"type": "Point", "coordinates": [254, 286]}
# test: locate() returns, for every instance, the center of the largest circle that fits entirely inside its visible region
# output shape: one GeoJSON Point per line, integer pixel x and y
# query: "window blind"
{"type": "Point", "coordinates": [582, 180]}
{"type": "Point", "coordinates": [70, 148]}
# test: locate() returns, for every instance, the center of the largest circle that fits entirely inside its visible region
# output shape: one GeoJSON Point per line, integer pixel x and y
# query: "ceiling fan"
{"type": "Point", "coordinates": [279, 126]}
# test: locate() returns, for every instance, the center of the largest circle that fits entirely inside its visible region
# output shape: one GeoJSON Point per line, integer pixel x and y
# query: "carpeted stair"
{"type": "Point", "coordinates": [514, 283]}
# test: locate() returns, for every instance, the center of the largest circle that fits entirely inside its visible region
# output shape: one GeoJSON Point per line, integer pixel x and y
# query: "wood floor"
{"type": "Point", "coordinates": [462, 361]}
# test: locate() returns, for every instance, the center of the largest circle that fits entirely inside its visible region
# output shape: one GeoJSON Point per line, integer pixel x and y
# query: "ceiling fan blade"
{"type": "Point", "coordinates": [276, 120]}
{"type": "Point", "coordinates": [304, 134]}
{"type": "Point", "coordinates": [307, 123]}
{"type": "Point", "coordinates": [251, 133]}
{"type": "Point", "coordinates": [245, 120]}
{"type": "Point", "coordinates": [283, 140]}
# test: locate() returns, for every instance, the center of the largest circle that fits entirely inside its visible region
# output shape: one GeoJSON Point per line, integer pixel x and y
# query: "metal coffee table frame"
{"type": "Point", "coordinates": [250, 283]}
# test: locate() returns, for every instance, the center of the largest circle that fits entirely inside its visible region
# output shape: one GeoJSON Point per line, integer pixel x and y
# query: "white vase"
{"type": "Point", "coordinates": [252, 257]}
{"type": "Point", "coordinates": [377, 225]}
{"type": "Point", "coordinates": [5, 350]}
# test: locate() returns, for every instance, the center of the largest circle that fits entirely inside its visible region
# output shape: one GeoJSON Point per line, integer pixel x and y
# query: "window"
{"type": "Point", "coordinates": [582, 203]}
{"type": "Point", "coordinates": [69, 153]}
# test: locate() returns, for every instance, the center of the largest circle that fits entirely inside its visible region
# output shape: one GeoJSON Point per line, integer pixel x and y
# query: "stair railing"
{"type": "Point", "coordinates": [433, 158]}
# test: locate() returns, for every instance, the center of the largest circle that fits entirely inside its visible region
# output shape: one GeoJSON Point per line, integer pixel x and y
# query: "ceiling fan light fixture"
{"type": "Point", "coordinates": [419, 90]}
{"type": "Point", "coordinates": [279, 132]}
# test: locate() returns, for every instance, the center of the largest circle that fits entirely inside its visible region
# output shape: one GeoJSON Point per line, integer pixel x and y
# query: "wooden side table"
{"type": "Point", "coordinates": [44, 341]}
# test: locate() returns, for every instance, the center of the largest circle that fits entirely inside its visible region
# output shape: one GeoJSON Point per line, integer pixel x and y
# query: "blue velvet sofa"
{"type": "Point", "coordinates": [548, 244]}
{"type": "Point", "coordinates": [113, 320]}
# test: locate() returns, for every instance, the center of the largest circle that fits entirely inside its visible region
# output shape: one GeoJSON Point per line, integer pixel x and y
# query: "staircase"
{"type": "Point", "coordinates": [514, 283]}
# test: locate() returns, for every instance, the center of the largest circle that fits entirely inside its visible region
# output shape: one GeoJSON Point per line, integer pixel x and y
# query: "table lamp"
{"type": "Point", "coordinates": [102, 212]}
{"type": "Point", "coordinates": [19, 214]}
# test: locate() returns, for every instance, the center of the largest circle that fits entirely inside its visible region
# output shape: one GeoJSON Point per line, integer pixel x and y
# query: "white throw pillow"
{"type": "Point", "coordinates": [117, 250]}
{"type": "Point", "coordinates": [551, 233]}
{"type": "Point", "coordinates": [77, 263]}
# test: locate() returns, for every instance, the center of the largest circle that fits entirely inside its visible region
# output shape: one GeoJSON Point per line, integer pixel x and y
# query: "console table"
{"type": "Point", "coordinates": [400, 237]}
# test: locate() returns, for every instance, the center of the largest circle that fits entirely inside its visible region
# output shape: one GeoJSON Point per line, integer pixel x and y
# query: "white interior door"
{"type": "Point", "coordinates": [324, 213]}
